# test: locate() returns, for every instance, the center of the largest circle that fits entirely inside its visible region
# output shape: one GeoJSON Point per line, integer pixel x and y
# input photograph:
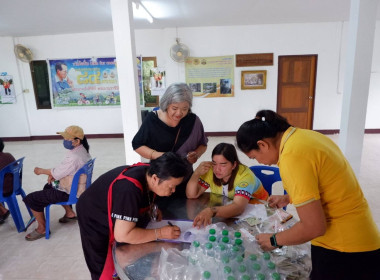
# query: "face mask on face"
{"type": "Point", "coordinates": [68, 144]}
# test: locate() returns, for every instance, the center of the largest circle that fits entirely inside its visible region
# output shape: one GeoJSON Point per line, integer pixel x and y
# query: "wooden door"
{"type": "Point", "coordinates": [296, 89]}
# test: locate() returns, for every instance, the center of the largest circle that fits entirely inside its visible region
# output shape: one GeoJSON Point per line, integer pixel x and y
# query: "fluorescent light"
{"type": "Point", "coordinates": [139, 11]}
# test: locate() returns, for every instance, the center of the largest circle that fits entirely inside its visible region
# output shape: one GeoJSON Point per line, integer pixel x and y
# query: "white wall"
{"type": "Point", "coordinates": [327, 40]}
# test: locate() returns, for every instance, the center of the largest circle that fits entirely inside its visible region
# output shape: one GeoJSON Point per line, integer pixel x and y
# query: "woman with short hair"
{"type": "Point", "coordinates": [173, 128]}
{"type": "Point", "coordinates": [118, 206]}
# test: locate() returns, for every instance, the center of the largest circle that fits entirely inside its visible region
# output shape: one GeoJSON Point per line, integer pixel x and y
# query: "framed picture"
{"type": "Point", "coordinates": [148, 63]}
{"type": "Point", "coordinates": [254, 79]}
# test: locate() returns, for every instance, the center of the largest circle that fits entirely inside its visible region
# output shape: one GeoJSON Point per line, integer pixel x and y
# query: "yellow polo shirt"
{"type": "Point", "coordinates": [312, 167]}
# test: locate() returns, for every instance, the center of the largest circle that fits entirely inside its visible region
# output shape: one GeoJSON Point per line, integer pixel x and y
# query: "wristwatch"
{"type": "Point", "coordinates": [273, 241]}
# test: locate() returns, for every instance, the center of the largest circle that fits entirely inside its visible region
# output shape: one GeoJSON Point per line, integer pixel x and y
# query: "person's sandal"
{"type": "Point", "coordinates": [65, 219]}
{"type": "Point", "coordinates": [34, 235]}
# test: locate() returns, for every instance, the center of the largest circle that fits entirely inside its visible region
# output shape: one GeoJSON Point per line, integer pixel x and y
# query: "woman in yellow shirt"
{"type": "Point", "coordinates": [334, 214]}
{"type": "Point", "coordinates": [224, 175]}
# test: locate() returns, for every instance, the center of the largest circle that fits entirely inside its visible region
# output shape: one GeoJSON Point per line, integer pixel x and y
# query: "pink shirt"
{"type": "Point", "coordinates": [73, 161]}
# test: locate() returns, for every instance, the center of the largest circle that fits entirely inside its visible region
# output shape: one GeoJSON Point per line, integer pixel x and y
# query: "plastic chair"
{"type": "Point", "coordinates": [14, 168]}
{"type": "Point", "coordinates": [268, 175]}
{"type": "Point", "coordinates": [86, 169]}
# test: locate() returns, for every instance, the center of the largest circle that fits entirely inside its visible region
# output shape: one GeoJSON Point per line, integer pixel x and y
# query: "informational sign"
{"type": "Point", "coordinates": [7, 90]}
{"type": "Point", "coordinates": [210, 76]}
{"type": "Point", "coordinates": [84, 82]}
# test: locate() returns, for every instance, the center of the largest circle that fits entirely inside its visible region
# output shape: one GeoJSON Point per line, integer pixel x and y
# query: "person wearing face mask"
{"type": "Point", "coordinates": [173, 128]}
{"type": "Point", "coordinates": [226, 176]}
{"type": "Point", "coordinates": [59, 180]}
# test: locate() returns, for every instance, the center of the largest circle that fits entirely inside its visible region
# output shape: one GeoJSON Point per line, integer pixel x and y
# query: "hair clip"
{"type": "Point", "coordinates": [263, 119]}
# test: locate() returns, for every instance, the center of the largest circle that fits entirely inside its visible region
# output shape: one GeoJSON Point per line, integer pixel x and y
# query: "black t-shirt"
{"type": "Point", "coordinates": [129, 203]}
{"type": "Point", "coordinates": [157, 135]}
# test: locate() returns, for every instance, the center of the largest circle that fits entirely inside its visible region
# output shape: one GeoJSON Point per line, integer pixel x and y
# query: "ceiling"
{"type": "Point", "coordinates": [19, 18]}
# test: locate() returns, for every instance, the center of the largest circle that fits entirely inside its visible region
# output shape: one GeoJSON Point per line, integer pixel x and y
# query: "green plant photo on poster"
{"type": "Point", "coordinates": [147, 64]}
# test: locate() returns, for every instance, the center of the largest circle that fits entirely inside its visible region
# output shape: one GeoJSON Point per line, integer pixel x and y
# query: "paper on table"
{"type": "Point", "coordinates": [188, 232]}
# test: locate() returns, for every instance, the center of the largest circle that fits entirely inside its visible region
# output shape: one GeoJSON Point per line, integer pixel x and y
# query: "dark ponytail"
{"type": "Point", "coordinates": [266, 124]}
{"type": "Point", "coordinates": [85, 144]}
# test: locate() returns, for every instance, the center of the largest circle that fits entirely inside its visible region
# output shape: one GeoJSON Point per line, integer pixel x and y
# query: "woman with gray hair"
{"type": "Point", "coordinates": [173, 128]}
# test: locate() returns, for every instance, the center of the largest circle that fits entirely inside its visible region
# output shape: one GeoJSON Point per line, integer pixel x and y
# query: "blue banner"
{"type": "Point", "coordinates": [84, 82]}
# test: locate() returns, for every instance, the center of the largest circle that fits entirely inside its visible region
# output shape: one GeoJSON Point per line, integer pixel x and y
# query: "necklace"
{"type": "Point", "coordinates": [153, 208]}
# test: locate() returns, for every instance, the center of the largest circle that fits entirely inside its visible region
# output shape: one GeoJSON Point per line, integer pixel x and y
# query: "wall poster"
{"type": "Point", "coordinates": [7, 90]}
{"type": "Point", "coordinates": [157, 81]}
{"type": "Point", "coordinates": [84, 82]}
{"type": "Point", "coordinates": [148, 63]}
{"type": "Point", "coordinates": [210, 76]}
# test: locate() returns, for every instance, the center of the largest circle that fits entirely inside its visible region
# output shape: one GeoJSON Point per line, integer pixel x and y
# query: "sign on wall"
{"type": "Point", "coordinates": [210, 76]}
{"type": "Point", "coordinates": [7, 90]}
{"type": "Point", "coordinates": [84, 82]}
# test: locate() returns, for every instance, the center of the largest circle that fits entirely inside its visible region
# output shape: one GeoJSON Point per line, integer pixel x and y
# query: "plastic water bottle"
{"type": "Point", "coordinates": [209, 250]}
{"type": "Point", "coordinates": [225, 233]}
{"type": "Point", "coordinates": [195, 252]}
{"type": "Point", "coordinates": [265, 260]}
{"type": "Point", "coordinates": [255, 268]}
{"type": "Point", "coordinates": [260, 276]}
{"type": "Point", "coordinates": [227, 271]}
{"type": "Point", "coordinates": [243, 273]}
{"type": "Point", "coordinates": [275, 276]}
{"type": "Point", "coordinates": [253, 257]}
{"type": "Point", "coordinates": [211, 232]}
{"type": "Point", "coordinates": [271, 271]}
{"type": "Point", "coordinates": [220, 251]}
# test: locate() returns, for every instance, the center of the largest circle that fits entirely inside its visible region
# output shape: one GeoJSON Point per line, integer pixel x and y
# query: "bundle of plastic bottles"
{"type": "Point", "coordinates": [221, 254]}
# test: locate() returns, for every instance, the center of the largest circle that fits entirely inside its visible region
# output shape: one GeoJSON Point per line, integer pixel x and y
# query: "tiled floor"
{"type": "Point", "coordinates": [61, 256]}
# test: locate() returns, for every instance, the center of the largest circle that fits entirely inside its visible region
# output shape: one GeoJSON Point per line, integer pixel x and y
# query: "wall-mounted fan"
{"type": "Point", "coordinates": [179, 52]}
{"type": "Point", "coordinates": [23, 53]}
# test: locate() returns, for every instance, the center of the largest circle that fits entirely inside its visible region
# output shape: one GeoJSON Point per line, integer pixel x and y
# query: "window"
{"type": "Point", "coordinates": [40, 77]}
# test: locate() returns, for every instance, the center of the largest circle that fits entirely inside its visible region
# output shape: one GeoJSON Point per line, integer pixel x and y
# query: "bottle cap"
{"type": "Point", "coordinates": [212, 231]}
{"type": "Point", "coordinates": [225, 259]}
{"type": "Point", "coordinates": [237, 234]}
{"type": "Point", "coordinates": [206, 274]}
{"type": "Point", "coordinates": [196, 244]}
{"type": "Point", "coordinates": [222, 247]}
{"type": "Point", "coordinates": [239, 259]}
{"type": "Point", "coordinates": [260, 276]}
{"type": "Point", "coordinates": [227, 269]}
{"type": "Point", "coordinates": [208, 245]}
{"type": "Point", "coordinates": [235, 248]}
{"type": "Point", "coordinates": [225, 239]}
{"type": "Point", "coordinates": [253, 257]}
{"type": "Point", "coordinates": [271, 265]}
{"type": "Point", "coordinates": [276, 276]}
{"type": "Point", "coordinates": [225, 232]}
{"type": "Point", "coordinates": [245, 277]}
{"type": "Point", "coordinates": [266, 256]}
{"type": "Point", "coordinates": [256, 266]}
{"type": "Point", "coordinates": [238, 241]}
{"type": "Point", "coordinates": [212, 238]}
{"type": "Point", "coordinates": [231, 277]}
{"type": "Point", "coordinates": [242, 268]}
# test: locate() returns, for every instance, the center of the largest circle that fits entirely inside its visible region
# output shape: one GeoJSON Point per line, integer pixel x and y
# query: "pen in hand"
{"type": "Point", "coordinates": [170, 224]}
